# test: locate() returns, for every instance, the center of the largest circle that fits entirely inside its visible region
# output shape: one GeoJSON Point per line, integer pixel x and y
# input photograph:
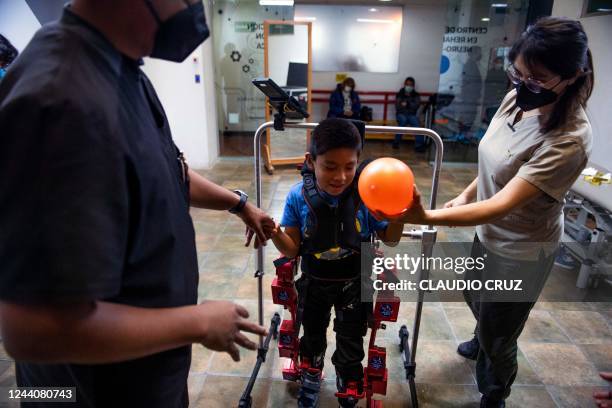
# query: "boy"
{"type": "Point", "coordinates": [325, 223]}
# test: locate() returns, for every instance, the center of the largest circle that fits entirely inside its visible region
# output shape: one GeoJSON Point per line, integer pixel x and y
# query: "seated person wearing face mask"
{"type": "Point", "coordinates": [344, 101]}
{"type": "Point", "coordinates": [8, 53]}
{"type": "Point", "coordinates": [407, 102]}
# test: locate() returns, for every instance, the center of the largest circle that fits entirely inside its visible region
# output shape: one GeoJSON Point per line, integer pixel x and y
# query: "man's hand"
{"type": "Point", "coordinates": [224, 323]}
{"type": "Point", "coordinates": [348, 113]}
{"type": "Point", "coordinates": [258, 223]}
{"type": "Point", "coordinates": [102, 332]}
{"type": "Point", "coordinates": [603, 399]}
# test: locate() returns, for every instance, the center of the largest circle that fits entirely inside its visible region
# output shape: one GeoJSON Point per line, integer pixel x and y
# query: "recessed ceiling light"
{"type": "Point", "coordinates": [385, 0]}
{"type": "Point", "coordinates": [485, 19]}
{"type": "Point", "coordinates": [276, 2]}
{"type": "Point", "coordinates": [373, 20]}
{"type": "Point", "coordinates": [499, 5]}
{"type": "Point", "coordinates": [373, 10]}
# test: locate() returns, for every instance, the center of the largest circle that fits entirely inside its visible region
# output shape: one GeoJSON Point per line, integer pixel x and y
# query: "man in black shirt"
{"type": "Point", "coordinates": [99, 274]}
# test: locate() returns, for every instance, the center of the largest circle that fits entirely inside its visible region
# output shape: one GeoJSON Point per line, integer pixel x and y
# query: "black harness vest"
{"type": "Point", "coordinates": [329, 227]}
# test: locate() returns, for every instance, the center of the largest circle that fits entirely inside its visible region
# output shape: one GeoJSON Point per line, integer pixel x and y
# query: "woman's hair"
{"type": "Point", "coordinates": [350, 82]}
{"type": "Point", "coordinates": [7, 52]}
{"type": "Point", "coordinates": [561, 46]}
{"type": "Point", "coordinates": [410, 79]}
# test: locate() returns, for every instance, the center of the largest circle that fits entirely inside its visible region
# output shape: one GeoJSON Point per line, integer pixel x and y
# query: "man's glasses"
{"type": "Point", "coordinates": [532, 84]}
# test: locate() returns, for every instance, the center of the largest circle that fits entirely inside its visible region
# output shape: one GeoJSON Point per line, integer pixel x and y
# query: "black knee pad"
{"type": "Point", "coordinates": [351, 323]}
{"type": "Point", "coordinates": [316, 324]}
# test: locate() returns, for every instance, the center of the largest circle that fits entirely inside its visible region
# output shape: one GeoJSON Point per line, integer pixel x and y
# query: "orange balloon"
{"type": "Point", "coordinates": [386, 185]}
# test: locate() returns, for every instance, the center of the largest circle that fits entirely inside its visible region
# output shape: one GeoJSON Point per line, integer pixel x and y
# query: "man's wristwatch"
{"type": "Point", "coordinates": [243, 199]}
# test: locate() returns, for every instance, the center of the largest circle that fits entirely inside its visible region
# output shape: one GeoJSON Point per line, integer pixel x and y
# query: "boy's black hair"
{"type": "Point", "coordinates": [334, 133]}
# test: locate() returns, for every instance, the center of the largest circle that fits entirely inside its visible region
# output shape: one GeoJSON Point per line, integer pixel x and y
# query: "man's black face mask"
{"type": "Point", "coordinates": [179, 35]}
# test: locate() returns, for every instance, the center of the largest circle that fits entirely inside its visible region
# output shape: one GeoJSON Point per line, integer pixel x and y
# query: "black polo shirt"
{"type": "Point", "coordinates": [93, 205]}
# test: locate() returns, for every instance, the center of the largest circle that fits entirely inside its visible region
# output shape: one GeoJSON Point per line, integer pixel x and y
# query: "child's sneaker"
{"type": "Point", "coordinates": [354, 387]}
{"type": "Point", "coordinates": [308, 397]}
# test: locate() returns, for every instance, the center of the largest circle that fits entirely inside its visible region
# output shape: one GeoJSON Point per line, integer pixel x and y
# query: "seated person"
{"type": "Point", "coordinates": [344, 101]}
{"type": "Point", "coordinates": [407, 103]}
{"type": "Point", "coordinates": [325, 224]}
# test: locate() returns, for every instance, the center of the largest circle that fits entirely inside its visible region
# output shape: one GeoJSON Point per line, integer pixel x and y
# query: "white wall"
{"type": "Point", "coordinates": [17, 22]}
{"type": "Point", "coordinates": [184, 100]}
{"type": "Point", "coordinates": [190, 106]}
{"type": "Point", "coordinates": [342, 40]}
{"type": "Point", "coordinates": [599, 31]}
{"type": "Point", "coordinates": [210, 103]}
{"type": "Point", "coordinates": [420, 50]}
{"type": "Point", "coordinates": [284, 49]}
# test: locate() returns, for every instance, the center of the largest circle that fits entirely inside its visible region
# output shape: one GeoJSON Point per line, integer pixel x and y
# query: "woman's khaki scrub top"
{"type": "Point", "coordinates": [550, 161]}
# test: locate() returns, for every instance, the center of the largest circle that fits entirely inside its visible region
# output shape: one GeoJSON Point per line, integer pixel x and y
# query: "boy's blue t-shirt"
{"type": "Point", "coordinates": [296, 213]}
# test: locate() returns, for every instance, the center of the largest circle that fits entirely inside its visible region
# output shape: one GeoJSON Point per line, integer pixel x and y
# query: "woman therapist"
{"type": "Point", "coordinates": [536, 146]}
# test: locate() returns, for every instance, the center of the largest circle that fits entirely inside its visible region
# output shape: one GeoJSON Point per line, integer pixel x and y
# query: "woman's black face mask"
{"type": "Point", "coordinates": [179, 35]}
{"type": "Point", "coordinates": [528, 100]}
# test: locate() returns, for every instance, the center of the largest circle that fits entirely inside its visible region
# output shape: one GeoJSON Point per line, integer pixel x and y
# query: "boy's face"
{"type": "Point", "coordinates": [335, 169]}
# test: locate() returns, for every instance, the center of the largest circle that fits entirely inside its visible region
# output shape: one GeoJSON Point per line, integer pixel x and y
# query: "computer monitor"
{"type": "Point", "coordinates": [297, 75]}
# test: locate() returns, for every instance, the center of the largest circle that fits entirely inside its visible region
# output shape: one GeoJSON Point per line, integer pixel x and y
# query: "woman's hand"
{"type": "Point", "coordinates": [461, 199]}
{"type": "Point", "coordinates": [415, 214]}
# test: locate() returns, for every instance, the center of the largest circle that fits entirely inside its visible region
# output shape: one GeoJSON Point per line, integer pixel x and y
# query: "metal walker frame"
{"type": "Point", "coordinates": [426, 234]}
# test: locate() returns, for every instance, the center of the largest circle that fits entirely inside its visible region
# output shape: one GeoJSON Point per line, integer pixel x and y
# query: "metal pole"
{"type": "Point", "coordinates": [246, 400]}
{"type": "Point", "coordinates": [260, 251]}
{"type": "Point", "coordinates": [429, 233]}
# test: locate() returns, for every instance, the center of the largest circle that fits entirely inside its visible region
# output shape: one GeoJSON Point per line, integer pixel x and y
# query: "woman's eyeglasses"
{"type": "Point", "coordinates": [532, 84]}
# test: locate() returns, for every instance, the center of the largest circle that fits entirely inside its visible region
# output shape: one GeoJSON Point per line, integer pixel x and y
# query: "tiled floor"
{"type": "Point", "coordinates": [563, 346]}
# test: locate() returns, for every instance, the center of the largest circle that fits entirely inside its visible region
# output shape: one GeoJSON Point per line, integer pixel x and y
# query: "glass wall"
{"type": "Point", "coordinates": [238, 43]}
{"type": "Point", "coordinates": [477, 39]}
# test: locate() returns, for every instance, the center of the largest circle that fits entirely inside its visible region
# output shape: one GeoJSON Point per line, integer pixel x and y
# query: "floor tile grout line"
{"type": "Point", "coordinates": [577, 345]}
{"type": "Point", "coordinates": [472, 370]}
{"type": "Point", "coordinates": [552, 396]}
{"type": "Point", "coordinates": [537, 374]}
{"type": "Point", "coordinates": [529, 362]}
{"type": "Point", "coordinates": [450, 325]}
{"type": "Point", "coordinates": [560, 344]}
{"type": "Point", "coordinates": [565, 332]}
{"type": "Point", "coordinates": [608, 323]}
